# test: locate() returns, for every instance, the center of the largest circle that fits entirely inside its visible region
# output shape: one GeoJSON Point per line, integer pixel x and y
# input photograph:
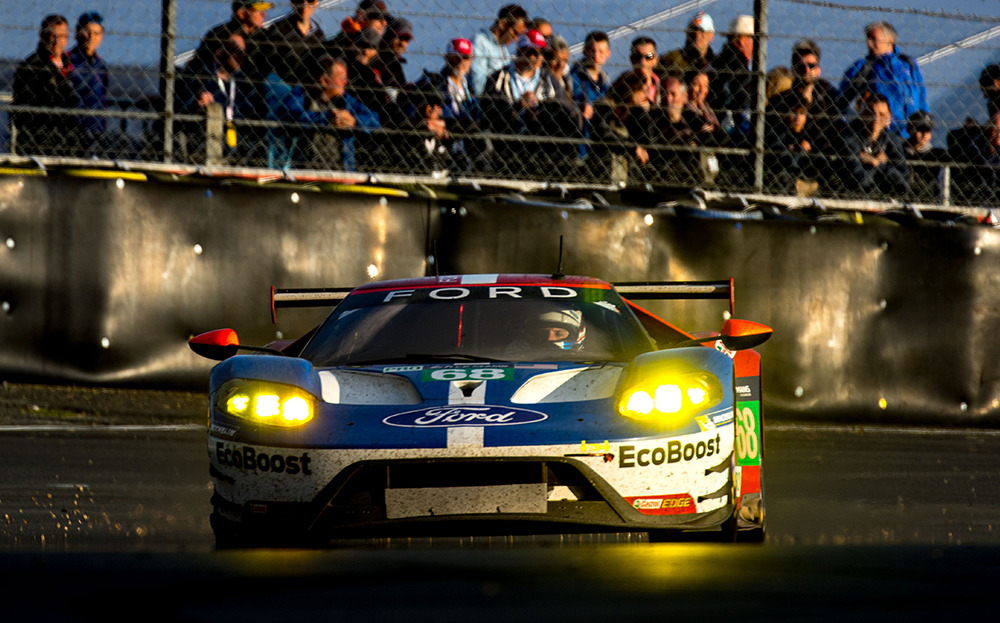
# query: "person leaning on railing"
{"type": "Point", "coordinates": [220, 82]}
{"type": "Point", "coordinates": [625, 123]}
{"type": "Point", "coordinates": [706, 125]}
{"type": "Point", "coordinates": [794, 161]}
{"type": "Point", "coordinates": [319, 129]}
{"type": "Point", "coordinates": [459, 105]}
{"type": "Point", "coordinates": [526, 98]}
{"type": "Point", "coordinates": [43, 80]}
{"type": "Point", "coordinates": [872, 156]}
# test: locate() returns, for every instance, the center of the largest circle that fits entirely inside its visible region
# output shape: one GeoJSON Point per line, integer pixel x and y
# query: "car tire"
{"type": "Point", "coordinates": [227, 533]}
{"type": "Point", "coordinates": [728, 530]}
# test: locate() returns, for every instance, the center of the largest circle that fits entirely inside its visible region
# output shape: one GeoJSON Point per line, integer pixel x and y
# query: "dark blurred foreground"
{"type": "Point", "coordinates": [670, 581]}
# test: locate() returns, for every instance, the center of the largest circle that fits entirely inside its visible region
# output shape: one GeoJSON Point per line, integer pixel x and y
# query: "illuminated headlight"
{"type": "Point", "coordinates": [668, 396]}
{"type": "Point", "coordinates": [263, 402]}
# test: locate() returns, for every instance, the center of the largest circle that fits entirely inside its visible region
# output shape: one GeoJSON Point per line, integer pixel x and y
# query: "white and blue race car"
{"type": "Point", "coordinates": [487, 404]}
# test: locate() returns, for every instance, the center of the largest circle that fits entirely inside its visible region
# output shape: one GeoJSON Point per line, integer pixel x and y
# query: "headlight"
{"type": "Point", "coordinates": [263, 402]}
{"type": "Point", "coordinates": [668, 396]}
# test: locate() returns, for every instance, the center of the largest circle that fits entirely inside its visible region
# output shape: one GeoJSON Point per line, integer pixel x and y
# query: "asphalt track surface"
{"type": "Point", "coordinates": [872, 522]}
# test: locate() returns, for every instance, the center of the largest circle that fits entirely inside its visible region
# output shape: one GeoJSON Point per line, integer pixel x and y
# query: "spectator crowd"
{"type": "Point", "coordinates": [509, 99]}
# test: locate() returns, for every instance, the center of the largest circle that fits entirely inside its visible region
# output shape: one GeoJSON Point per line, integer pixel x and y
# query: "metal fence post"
{"type": "Point", "coordinates": [760, 101]}
{"type": "Point", "coordinates": [168, 53]}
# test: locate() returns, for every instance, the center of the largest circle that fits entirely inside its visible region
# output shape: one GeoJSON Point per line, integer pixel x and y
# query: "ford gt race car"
{"type": "Point", "coordinates": [487, 404]}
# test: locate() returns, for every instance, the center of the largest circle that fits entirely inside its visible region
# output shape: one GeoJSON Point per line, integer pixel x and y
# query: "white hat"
{"type": "Point", "coordinates": [742, 25]}
{"type": "Point", "coordinates": [702, 21]}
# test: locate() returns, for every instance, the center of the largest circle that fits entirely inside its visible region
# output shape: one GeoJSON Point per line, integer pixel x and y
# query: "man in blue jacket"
{"type": "Point", "coordinates": [888, 72]}
{"type": "Point", "coordinates": [321, 127]}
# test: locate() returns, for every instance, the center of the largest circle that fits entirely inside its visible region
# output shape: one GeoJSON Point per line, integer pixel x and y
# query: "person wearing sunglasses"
{"type": "Point", "coordinates": [644, 62]}
{"type": "Point", "coordinates": [820, 98]}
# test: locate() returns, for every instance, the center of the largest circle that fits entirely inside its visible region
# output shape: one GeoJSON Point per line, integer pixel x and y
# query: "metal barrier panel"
{"type": "Point", "coordinates": [869, 320]}
{"type": "Point", "coordinates": [103, 281]}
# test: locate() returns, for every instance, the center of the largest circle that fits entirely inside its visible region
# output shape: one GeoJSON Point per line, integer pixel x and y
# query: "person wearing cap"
{"type": "Point", "coordinates": [390, 61]}
{"type": "Point", "coordinates": [489, 45]}
{"type": "Point", "coordinates": [90, 77]}
{"type": "Point", "coordinates": [247, 20]}
{"type": "Point", "coordinates": [526, 98]}
{"type": "Point", "coordinates": [366, 83]}
{"type": "Point", "coordinates": [43, 79]}
{"type": "Point", "coordinates": [734, 85]}
{"type": "Point", "coordinates": [543, 26]}
{"type": "Point", "coordinates": [459, 105]}
{"type": "Point", "coordinates": [516, 91]}
{"type": "Point", "coordinates": [886, 71]}
{"type": "Point", "coordinates": [371, 14]}
{"type": "Point", "coordinates": [360, 20]}
{"type": "Point", "coordinates": [458, 101]}
{"type": "Point", "coordinates": [697, 50]}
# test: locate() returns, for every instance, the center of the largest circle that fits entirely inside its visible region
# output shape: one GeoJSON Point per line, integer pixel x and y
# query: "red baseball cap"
{"type": "Point", "coordinates": [531, 39]}
{"type": "Point", "coordinates": [461, 47]}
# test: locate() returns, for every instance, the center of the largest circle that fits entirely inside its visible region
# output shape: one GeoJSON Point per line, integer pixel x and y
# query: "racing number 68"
{"type": "Point", "coordinates": [476, 374]}
{"type": "Point", "coordinates": [747, 445]}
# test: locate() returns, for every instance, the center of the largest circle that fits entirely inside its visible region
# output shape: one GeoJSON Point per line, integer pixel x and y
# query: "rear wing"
{"type": "Point", "coordinates": [665, 290]}
{"type": "Point", "coordinates": [305, 297]}
{"type": "Point", "coordinates": [632, 290]}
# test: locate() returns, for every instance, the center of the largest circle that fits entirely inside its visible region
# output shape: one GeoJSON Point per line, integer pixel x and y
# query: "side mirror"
{"type": "Point", "coordinates": [218, 345]}
{"type": "Point", "coordinates": [744, 334]}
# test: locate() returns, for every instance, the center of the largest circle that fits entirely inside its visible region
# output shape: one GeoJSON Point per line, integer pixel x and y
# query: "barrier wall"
{"type": "Point", "coordinates": [105, 284]}
{"type": "Point", "coordinates": [103, 281]}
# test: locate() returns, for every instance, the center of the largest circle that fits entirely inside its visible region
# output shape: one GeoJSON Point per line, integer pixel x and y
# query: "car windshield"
{"type": "Point", "coordinates": [479, 323]}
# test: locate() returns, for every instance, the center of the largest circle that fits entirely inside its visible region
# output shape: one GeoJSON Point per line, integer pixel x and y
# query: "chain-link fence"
{"type": "Point", "coordinates": [788, 97]}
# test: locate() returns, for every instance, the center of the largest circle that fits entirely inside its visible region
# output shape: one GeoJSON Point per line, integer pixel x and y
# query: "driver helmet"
{"type": "Point", "coordinates": [564, 328]}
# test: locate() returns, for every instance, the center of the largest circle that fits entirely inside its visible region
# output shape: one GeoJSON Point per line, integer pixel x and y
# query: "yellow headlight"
{"type": "Point", "coordinates": [295, 409]}
{"type": "Point", "coordinates": [668, 399]}
{"type": "Point", "coordinates": [640, 402]}
{"type": "Point", "coordinates": [670, 396]}
{"type": "Point", "coordinates": [263, 402]}
{"type": "Point", "coordinates": [237, 403]}
{"type": "Point", "coordinates": [266, 405]}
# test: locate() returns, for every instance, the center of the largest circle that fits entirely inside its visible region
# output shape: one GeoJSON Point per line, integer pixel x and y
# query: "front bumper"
{"type": "Point", "coordinates": [467, 496]}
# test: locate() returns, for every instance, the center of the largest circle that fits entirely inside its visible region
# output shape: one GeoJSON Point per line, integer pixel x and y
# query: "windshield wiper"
{"type": "Point", "coordinates": [411, 357]}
